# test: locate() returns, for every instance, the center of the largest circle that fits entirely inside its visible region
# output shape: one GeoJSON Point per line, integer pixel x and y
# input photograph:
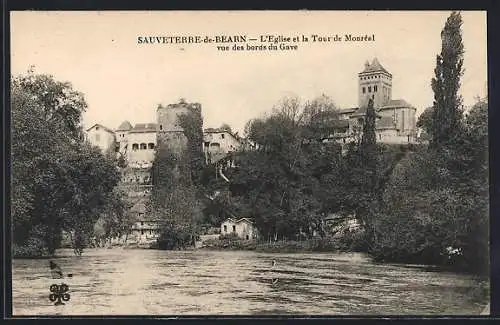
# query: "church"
{"type": "Point", "coordinates": [396, 118]}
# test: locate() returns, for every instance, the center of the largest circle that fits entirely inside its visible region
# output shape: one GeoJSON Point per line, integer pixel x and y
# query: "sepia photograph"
{"type": "Point", "coordinates": [249, 163]}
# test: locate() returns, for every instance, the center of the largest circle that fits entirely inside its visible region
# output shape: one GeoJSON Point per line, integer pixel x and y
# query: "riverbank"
{"type": "Point", "coordinates": [345, 244]}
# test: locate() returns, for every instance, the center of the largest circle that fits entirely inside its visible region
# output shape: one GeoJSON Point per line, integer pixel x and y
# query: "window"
{"type": "Point", "coordinates": [135, 146]}
{"type": "Point", "coordinates": [374, 88]}
{"type": "Point", "coordinates": [161, 127]}
{"type": "Point", "coordinates": [142, 232]}
{"type": "Point", "coordinates": [380, 136]}
{"type": "Point", "coordinates": [234, 228]}
{"type": "Point", "coordinates": [142, 223]}
{"type": "Point", "coordinates": [207, 144]}
{"type": "Point", "coordinates": [222, 136]}
{"type": "Point", "coordinates": [143, 146]}
{"type": "Point", "coordinates": [225, 228]}
{"type": "Point", "coordinates": [97, 137]}
{"type": "Point", "coordinates": [364, 90]}
{"type": "Point", "coordinates": [369, 89]}
{"type": "Point", "coordinates": [151, 145]}
{"type": "Point", "coordinates": [97, 128]}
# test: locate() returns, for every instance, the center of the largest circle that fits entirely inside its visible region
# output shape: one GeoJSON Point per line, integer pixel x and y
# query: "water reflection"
{"type": "Point", "coordinates": [138, 282]}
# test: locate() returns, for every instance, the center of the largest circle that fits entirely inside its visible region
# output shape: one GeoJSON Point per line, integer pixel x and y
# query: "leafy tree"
{"type": "Point", "coordinates": [425, 120]}
{"type": "Point", "coordinates": [58, 181]}
{"type": "Point", "coordinates": [175, 199]}
{"type": "Point", "coordinates": [284, 184]}
{"type": "Point", "coordinates": [226, 127]}
{"type": "Point", "coordinates": [192, 124]}
{"type": "Point", "coordinates": [447, 113]}
{"type": "Point", "coordinates": [61, 104]}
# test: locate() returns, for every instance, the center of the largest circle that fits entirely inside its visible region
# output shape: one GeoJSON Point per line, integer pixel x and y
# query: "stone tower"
{"type": "Point", "coordinates": [374, 82]}
{"type": "Point", "coordinates": [169, 130]}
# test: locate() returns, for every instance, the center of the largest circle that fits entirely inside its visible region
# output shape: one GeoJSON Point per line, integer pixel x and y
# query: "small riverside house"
{"type": "Point", "coordinates": [244, 228]}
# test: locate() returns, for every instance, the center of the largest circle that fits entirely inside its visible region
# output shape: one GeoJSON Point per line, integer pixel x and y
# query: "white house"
{"type": "Point", "coordinates": [101, 136]}
{"type": "Point", "coordinates": [218, 143]}
{"type": "Point", "coordinates": [244, 228]}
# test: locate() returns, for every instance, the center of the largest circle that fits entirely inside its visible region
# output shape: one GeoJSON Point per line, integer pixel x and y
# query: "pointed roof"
{"type": "Point", "coordinates": [125, 126]}
{"type": "Point", "coordinates": [375, 66]}
{"type": "Point", "coordinates": [105, 128]}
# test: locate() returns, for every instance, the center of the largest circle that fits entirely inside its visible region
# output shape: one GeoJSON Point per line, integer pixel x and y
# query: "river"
{"type": "Point", "coordinates": [151, 282]}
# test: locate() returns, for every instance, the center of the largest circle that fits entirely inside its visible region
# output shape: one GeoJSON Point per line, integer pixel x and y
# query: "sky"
{"type": "Point", "coordinates": [98, 52]}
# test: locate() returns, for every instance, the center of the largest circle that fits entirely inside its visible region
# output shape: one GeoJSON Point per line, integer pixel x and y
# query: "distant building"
{"type": "Point", "coordinates": [218, 143]}
{"type": "Point", "coordinates": [169, 130]}
{"type": "Point", "coordinates": [145, 230]}
{"type": "Point", "coordinates": [102, 137]}
{"type": "Point", "coordinates": [244, 228]}
{"type": "Point", "coordinates": [395, 118]}
{"type": "Point", "coordinates": [141, 141]}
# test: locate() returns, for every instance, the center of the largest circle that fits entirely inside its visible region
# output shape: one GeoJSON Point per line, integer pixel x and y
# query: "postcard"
{"type": "Point", "coordinates": [173, 163]}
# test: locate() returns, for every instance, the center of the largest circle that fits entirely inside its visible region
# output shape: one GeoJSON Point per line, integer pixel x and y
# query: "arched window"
{"type": "Point", "coordinates": [144, 146]}
{"type": "Point", "coordinates": [151, 145]}
{"type": "Point", "coordinates": [135, 146]}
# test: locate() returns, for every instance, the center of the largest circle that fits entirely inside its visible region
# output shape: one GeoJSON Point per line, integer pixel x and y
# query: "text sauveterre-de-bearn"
{"type": "Point", "coordinates": [259, 43]}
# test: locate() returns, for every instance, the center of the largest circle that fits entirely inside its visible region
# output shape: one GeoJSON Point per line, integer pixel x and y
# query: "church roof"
{"type": "Point", "coordinates": [362, 112]}
{"type": "Point", "coordinates": [375, 66]}
{"type": "Point", "coordinates": [394, 103]}
{"type": "Point", "coordinates": [125, 126]}
{"type": "Point", "coordinates": [144, 127]}
{"type": "Point", "coordinates": [347, 110]}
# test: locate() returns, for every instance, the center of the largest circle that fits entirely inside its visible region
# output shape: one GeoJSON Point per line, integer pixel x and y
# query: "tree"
{"type": "Point", "coordinates": [61, 104]}
{"type": "Point", "coordinates": [59, 182]}
{"type": "Point", "coordinates": [175, 199]}
{"type": "Point", "coordinates": [192, 125]}
{"type": "Point", "coordinates": [283, 184]}
{"type": "Point", "coordinates": [226, 127]}
{"type": "Point", "coordinates": [447, 113]}
{"type": "Point", "coordinates": [425, 120]}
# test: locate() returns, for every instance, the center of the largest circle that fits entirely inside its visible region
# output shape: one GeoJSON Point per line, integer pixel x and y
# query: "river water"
{"type": "Point", "coordinates": [149, 282]}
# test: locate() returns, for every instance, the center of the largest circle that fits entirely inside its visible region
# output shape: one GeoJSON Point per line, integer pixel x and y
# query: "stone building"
{"type": "Point", "coordinates": [169, 130]}
{"type": "Point", "coordinates": [218, 143]}
{"type": "Point", "coordinates": [243, 228]}
{"type": "Point", "coordinates": [396, 118]}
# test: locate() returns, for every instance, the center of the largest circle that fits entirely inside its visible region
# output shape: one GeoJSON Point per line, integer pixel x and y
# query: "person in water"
{"type": "Point", "coordinates": [56, 272]}
{"type": "Point", "coordinates": [274, 281]}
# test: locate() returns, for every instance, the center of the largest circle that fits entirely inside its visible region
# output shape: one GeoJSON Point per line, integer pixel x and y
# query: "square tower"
{"type": "Point", "coordinates": [169, 130]}
{"type": "Point", "coordinates": [374, 82]}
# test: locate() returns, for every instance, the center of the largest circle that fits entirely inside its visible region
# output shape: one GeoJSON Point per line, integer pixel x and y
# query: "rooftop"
{"type": "Point", "coordinates": [394, 103]}
{"type": "Point", "coordinates": [375, 66]}
{"type": "Point", "coordinates": [125, 126]}
{"type": "Point", "coordinates": [102, 126]}
{"type": "Point", "coordinates": [144, 127]}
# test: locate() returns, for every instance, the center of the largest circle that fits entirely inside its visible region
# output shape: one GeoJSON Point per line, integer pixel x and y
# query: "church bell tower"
{"type": "Point", "coordinates": [374, 82]}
